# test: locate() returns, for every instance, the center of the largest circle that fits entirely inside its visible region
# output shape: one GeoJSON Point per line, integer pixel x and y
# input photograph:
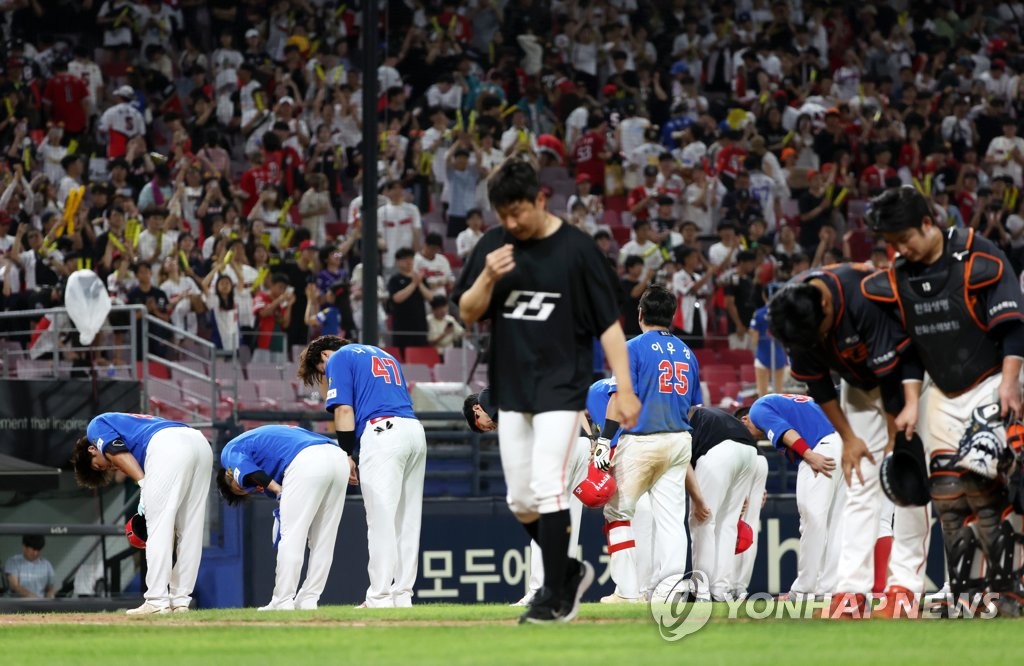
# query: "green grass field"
{"type": "Point", "coordinates": [487, 634]}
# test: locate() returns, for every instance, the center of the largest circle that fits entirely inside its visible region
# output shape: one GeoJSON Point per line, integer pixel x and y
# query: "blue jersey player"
{"type": "Point", "coordinates": [171, 462]}
{"type": "Point", "coordinates": [308, 474]}
{"type": "Point", "coordinates": [653, 456]}
{"type": "Point", "coordinates": [796, 423]}
{"type": "Point", "coordinates": [363, 386]}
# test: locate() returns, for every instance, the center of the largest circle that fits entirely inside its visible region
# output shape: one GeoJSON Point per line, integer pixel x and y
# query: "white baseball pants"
{"type": "Point", "coordinates": [725, 474]}
{"type": "Point", "coordinates": [178, 467]}
{"type": "Point", "coordinates": [537, 453]}
{"type": "Point", "coordinates": [578, 469]}
{"type": "Point", "coordinates": [312, 501]}
{"type": "Point", "coordinates": [392, 463]}
{"type": "Point", "coordinates": [655, 465]}
{"type": "Point", "coordinates": [744, 563]}
{"type": "Point", "coordinates": [819, 500]}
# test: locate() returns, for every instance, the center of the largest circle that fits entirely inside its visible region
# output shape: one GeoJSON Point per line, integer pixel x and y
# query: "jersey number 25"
{"type": "Point", "coordinates": [387, 369]}
{"type": "Point", "coordinates": [673, 377]}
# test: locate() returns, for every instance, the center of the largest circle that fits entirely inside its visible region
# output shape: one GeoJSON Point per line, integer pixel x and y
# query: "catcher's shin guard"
{"type": "Point", "coordinates": [999, 533]}
{"type": "Point", "coordinates": [962, 548]}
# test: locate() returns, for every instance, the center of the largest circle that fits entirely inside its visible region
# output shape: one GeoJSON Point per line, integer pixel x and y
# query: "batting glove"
{"type": "Point", "coordinates": [142, 505]}
{"type": "Point", "coordinates": [602, 454]}
{"type": "Point", "coordinates": [276, 533]}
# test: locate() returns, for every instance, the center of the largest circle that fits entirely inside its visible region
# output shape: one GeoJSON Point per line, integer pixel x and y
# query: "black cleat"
{"type": "Point", "coordinates": [545, 608]}
{"type": "Point", "coordinates": [578, 577]}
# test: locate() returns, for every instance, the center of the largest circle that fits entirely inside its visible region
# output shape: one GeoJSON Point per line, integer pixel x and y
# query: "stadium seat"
{"type": "Point", "coordinates": [611, 218]}
{"type": "Point", "coordinates": [417, 372]}
{"type": "Point", "coordinates": [34, 369]}
{"type": "Point", "coordinates": [394, 351]}
{"type": "Point", "coordinates": [454, 259]}
{"type": "Point", "coordinates": [158, 370]}
{"type": "Point", "coordinates": [716, 373]}
{"type": "Point", "coordinates": [423, 355]}
{"type": "Point", "coordinates": [705, 357]}
{"type": "Point", "coordinates": [736, 357]}
{"type": "Point", "coordinates": [262, 371]}
{"type": "Point", "coordinates": [621, 235]}
{"type": "Point", "coordinates": [747, 374]}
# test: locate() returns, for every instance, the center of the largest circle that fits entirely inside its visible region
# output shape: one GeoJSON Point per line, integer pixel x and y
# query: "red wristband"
{"type": "Point", "coordinates": [800, 447]}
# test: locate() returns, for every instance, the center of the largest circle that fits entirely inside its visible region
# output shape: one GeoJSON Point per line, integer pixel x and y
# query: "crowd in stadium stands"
{"type": "Point", "coordinates": [205, 157]}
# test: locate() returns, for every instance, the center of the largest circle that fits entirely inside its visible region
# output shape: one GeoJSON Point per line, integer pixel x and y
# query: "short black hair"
{"type": "Point", "coordinates": [439, 301]}
{"type": "Point", "coordinates": [741, 412]}
{"type": "Point", "coordinates": [224, 488]}
{"type": "Point", "coordinates": [515, 180]}
{"type": "Point", "coordinates": [434, 239]}
{"type": "Point", "coordinates": [34, 541]}
{"type": "Point", "coordinates": [897, 209]}
{"type": "Point", "coordinates": [279, 278]}
{"type": "Point", "coordinates": [473, 211]}
{"type": "Point", "coordinates": [81, 462]}
{"type": "Point", "coordinates": [602, 233]}
{"type": "Point", "coordinates": [631, 261]}
{"type": "Point", "coordinates": [640, 223]}
{"type": "Point", "coordinates": [657, 306]}
{"type": "Point", "coordinates": [404, 253]}
{"type": "Point", "coordinates": [795, 315]}
{"type": "Point", "coordinates": [472, 400]}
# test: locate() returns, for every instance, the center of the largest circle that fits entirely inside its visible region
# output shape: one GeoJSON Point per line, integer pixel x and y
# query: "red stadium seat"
{"type": "Point", "coordinates": [747, 375]}
{"type": "Point", "coordinates": [705, 357]}
{"type": "Point", "coordinates": [394, 351]}
{"type": "Point", "coordinates": [427, 356]}
{"type": "Point", "coordinates": [454, 259]}
{"type": "Point", "coordinates": [736, 357]}
{"type": "Point", "coordinates": [621, 235]}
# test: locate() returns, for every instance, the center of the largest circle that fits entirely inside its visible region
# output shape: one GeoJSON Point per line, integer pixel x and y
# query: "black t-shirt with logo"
{"type": "Point", "coordinates": [712, 426]}
{"type": "Point", "coordinates": [545, 315]}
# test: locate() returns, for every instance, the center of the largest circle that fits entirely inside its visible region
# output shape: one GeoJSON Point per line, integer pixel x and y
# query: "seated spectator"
{"type": "Point", "coordinates": [30, 575]}
{"type": "Point", "coordinates": [409, 297]}
{"type": "Point", "coordinates": [593, 205]}
{"type": "Point", "coordinates": [443, 330]}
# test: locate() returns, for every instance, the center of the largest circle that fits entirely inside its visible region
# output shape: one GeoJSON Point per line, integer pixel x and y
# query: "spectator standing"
{"type": "Point", "coordinates": [409, 297]}
{"type": "Point", "coordinates": [399, 222]}
{"type": "Point", "coordinates": [121, 123]}
{"type": "Point", "coordinates": [742, 299]}
{"type": "Point", "coordinates": [273, 312]}
{"type": "Point", "coordinates": [434, 267]}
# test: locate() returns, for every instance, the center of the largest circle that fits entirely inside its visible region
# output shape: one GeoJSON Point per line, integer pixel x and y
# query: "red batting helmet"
{"type": "Point", "coordinates": [744, 537]}
{"type": "Point", "coordinates": [135, 530]}
{"type": "Point", "coordinates": [595, 490]}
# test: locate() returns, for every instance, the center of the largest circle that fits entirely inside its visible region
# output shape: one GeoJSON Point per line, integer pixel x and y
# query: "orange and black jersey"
{"type": "Point", "coordinates": [863, 345]}
{"type": "Point", "coordinates": [964, 312]}
{"type": "Point", "coordinates": [545, 315]}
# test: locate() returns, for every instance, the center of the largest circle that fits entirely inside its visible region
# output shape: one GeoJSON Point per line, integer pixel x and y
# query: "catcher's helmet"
{"type": "Point", "coordinates": [904, 475]}
{"type": "Point", "coordinates": [135, 530]}
{"type": "Point", "coordinates": [595, 490]}
{"type": "Point", "coordinates": [744, 536]}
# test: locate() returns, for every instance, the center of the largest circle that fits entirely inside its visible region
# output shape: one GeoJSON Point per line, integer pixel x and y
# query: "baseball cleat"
{"type": "Point", "coordinates": [148, 609]}
{"type": "Point", "coordinates": [525, 601]}
{"type": "Point", "coordinates": [180, 609]}
{"type": "Point", "coordinates": [579, 577]}
{"type": "Point", "coordinates": [544, 609]}
{"type": "Point", "coordinates": [615, 598]}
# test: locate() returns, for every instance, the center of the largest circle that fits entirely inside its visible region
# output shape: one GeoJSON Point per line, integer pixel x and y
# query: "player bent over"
{"type": "Point", "coordinates": [724, 462]}
{"type": "Point", "coordinates": [549, 292]}
{"type": "Point", "coordinates": [365, 389]}
{"type": "Point", "coordinates": [308, 474]}
{"type": "Point", "coordinates": [654, 455]}
{"type": "Point", "coordinates": [829, 325]}
{"type": "Point", "coordinates": [955, 294]}
{"type": "Point", "coordinates": [796, 423]}
{"type": "Point", "coordinates": [172, 464]}
{"type": "Point", "coordinates": [482, 416]}
{"type": "Point", "coordinates": [743, 565]}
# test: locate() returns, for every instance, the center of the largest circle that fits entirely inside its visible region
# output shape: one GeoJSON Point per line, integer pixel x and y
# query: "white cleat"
{"type": "Point", "coordinates": [148, 609]}
{"type": "Point", "coordinates": [180, 609]}
{"type": "Point", "coordinates": [615, 598]}
{"type": "Point", "coordinates": [525, 601]}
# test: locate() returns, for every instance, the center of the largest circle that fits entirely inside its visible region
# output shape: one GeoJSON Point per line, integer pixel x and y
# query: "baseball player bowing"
{"type": "Point", "coordinates": [549, 292]}
{"type": "Point", "coordinates": [828, 325]}
{"type": "Point", "coordinates": [797, 424]}
{"type": "Point", "coordinates": [363, 386]}
{"type": "Point", "coordinates": [743, 565]}
{"type": "Point", "coordinates": [955, 294]}
{"type": "Point", "coordinates": [482, 416]}
{"type": "Point", "coordinates": [652, 456]}
{"type": "Point", "coordinates": [598, 397]}
{"type": "Point", "coordinates": [308, 474]}
{"type": "Point", "coordinates": [724, 461]}
{"type": "Point", "coordinates": [172, 464]}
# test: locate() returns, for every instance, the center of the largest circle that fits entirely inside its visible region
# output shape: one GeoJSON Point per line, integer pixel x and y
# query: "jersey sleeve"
{"type": "Point", "coordinates": [1003, 298]}
{"type": "Point", "coordinates": [100, 433]}
{"type": "Point", "coordinates": [766, 418]}
{"type": "Point", "coordinates": [600, 292]}
{"type": "Point", "coordinates": [339, 382]}
{"type": "Point", "coordinates": [238, 463]}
